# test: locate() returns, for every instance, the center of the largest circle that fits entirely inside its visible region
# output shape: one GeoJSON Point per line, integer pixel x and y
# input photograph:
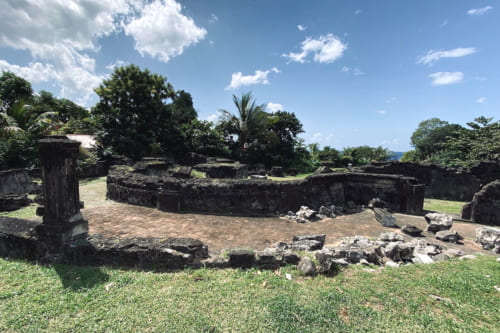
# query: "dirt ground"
{"type": "Point", "coordinates": [110, 218]}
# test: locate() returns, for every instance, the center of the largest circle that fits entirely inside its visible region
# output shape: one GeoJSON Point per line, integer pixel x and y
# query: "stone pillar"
{"type": "Point", "coordinates": [62, 219]}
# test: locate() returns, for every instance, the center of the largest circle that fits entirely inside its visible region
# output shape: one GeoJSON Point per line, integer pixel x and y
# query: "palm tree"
{"type": "Point", "coordinates": [21, 118]}
{"type": "Point", "coordinates": [250, 122]}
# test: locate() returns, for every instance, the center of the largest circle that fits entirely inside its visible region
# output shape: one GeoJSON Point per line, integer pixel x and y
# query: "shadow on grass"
{"type": "Point", "coordinates": [80, 278]}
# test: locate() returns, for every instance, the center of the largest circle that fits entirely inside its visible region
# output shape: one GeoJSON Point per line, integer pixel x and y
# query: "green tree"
{"type": "Point", "coordinates": [329, 154]}
{"type": "Point", "coordinates": [283, 129]}
{"type": "Point", "coordinates": [364, 154]}
{"type": "Point", "coordinates": [133, 111]}
{"type": "Point", "coordinates": [248, 124]}
{"type": "Point", "coordinates": [14, 89]}
{"type": "Point", "coordinates": [430, 135]}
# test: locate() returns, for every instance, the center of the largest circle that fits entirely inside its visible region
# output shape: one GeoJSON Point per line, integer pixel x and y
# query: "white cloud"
{"type": "Point", "coordinates": [391, 142]}
{"type": "Point", "coordinates": [326, 49]}
{"type": "Point", "coordinates": [260, 77]}
{"type": "Point", "coordinates": [357, 11]}
{"type": "Point", "coordinates": [433, 56]}
{"type": "Point", "coordinates": [392, 99]}
{"type": "Point", "coordinates": [117, 63]}
{"type": "Point", "coordinates": [382, 112]}
{"type": "Point", "coordinates": [213, 117]}
{"type": "Point", "coordinates": [445, 23]}
{"type": "Point", "coordinates": [162, 31]}
{"type": "Point", "coordinates": [357, 71]}
{"type": "Point", "coordinates": [62, 37]}
{"type": "Point", "coordinates": [213, 18]}
{"type": "Point", "coordinates": [444, 78]}
{"type": "Point", "coordinates": [273, 107]}
{"type": "Point", "coordinates": [322, 139]}
{"type": "Point", "coordinates": [345, 69]}
{"type": "Point", "coordinates": [481, 100]}
{"type": "Point", "coordinates": [301, 27]}
{"type": "Point", "coordinates": [479, 11]}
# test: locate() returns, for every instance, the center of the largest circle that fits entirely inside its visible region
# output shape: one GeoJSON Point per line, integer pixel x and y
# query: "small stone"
{"type": "Point", "coordinates": [291, 257]}
{"type": "Point", "coordinates": [307, 266]}
{"type": "Point", "coordinates": [468, 256]}
{"type": "Point", "coordinates": [450, 236]}
{"type": "Point", "coordinates": [390, 237]}
{"type": "Point", "coordinates": [258, 177]}
{"type": "Point", "coordinates": [423, 259]}
{"type": "Point", "coordinates": [391, 264]}
{"type": "Point", "coordinates": [411, 230]}
{"type": "Point", "coordinates": [341, 262]}
{"type": "Point", "coordinates": [377, 203]}
{"type": "Point", "coordinates": [441, 257]}
{"type": "Point", "coordinates": [317, 237]}
{"type": "Point", "coordinates": [454, 253]}
{"type": "Point", "coordinates": [288, 276]}
{"type": "Point", "coordinates": [364, 262]}
{"type": "Point", "coordinates": [241, 258]}
{"type": "Point", "coordinates": [437, 222]}
{"type": "Point", "coordinates": [306, 213]}
{"type": "Point", "coordinates": [280, 246]}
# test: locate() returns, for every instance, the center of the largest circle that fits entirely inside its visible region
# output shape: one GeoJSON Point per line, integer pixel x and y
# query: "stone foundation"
{"type": "Point", "coordinates": [402, 194]}
{"type": "Point", "coordinates": [485, 206]}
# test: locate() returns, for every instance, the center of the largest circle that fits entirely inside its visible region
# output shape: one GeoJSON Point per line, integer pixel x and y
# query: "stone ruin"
{"type": "Point", "coordinates": [15, 185]}
{"type": "Point", "coordinates": [63, 234]}
{"type": "Point", "coordinates": [442, 182]}
{"type": "Point", "coordinates": [139, 186]}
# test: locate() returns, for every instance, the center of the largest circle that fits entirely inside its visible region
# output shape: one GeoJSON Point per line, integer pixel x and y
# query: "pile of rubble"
{"type": "Point", "coordinates": [306, 214]}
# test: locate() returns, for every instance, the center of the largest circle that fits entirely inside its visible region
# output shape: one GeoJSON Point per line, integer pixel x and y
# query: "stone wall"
{"type": "Point", "coordinates": [485, 206]}
{"type": "Point", "coordinates": [440, 182]}
{"type": "Point", "coordinates": [16, 181]}
{"type": "Point", "coordinates": [403, 194]}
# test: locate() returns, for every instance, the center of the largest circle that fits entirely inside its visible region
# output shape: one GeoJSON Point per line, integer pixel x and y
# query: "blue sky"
{"type": "Point", "coordinates": [354, 72]}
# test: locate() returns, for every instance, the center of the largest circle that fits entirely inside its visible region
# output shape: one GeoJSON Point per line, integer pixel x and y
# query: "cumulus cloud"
{"type": "Point", "coordinates": [322, 139]}
{"type": "Point", "coordinates": [213, 18]}
{"type": "Point", "coordinates": [325, 49]}
{"type": "Point", "coordinates": [301, 27]}
{"type": "Point", "coordinates": [391, 100]}
{"type": "Point", "coordinates": [357, 11]}
{"type": "Point", "coordinates": [382, 112]}
{"type": "Point", "coordinates": [260, 77]}
{"type": "Point", "coordinates": [117, 63]}
{"type": "Point", "coordinates": [357, 71]}
{"type": "Point", "coordinates": [345, 69]}
{"type": "Point", "coordinates": [444, 78]}
{"type": "Point", "coordinates": [62, 37]}
{"type": "Point", "coordinates": [481, 100]}
{"type": "Point", "coordinates": [162, 31]}
{"type": "Point", "coordinates": [213, 117]}
{"type": "Point", "coordinates": [433, 56]}
{"type": "Point", "coordinates": [273, 107]}
{"type": "Point", "coordinates": [479, 11]}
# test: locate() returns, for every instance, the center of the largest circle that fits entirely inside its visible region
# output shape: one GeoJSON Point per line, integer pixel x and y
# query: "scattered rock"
{"type": "Point", "coordinates": [276, 171]}
{"type": "Point", "coordinates": [399, 251]}
{"type": "Point", "coordinates": [306, 245]}
{"type": "Point", "coordinates": [441, 257]}
{"type": "Point", "coordinates": [454, 253]}
{"type": "Point", "coordinates": [391, 264]}
{"type": "Point", "coordinates": [438, 221]}
{"type": "Point", "coordinates": [327, 211]}
{"type": "Point", "coordinates": [241, 258]}
{"type": "Point", "coordinates": [385, 218]}
{"type": "Point", "coordinates": [411, 230]}
{"type": "Point", "coordinates": [306, 213]}
{"type": "Point", "coordinates": [290, 257]}
{"type": "Point", "coordinates": [280, 245]}
{"type": "Point", "coordinates": [307, 267]}
{"type": "Point", "coordinates": [390, 237]}
{"type": "Point", "coordinates": [318, 237]}
{"type": "Point", "coordinates": [422, 259]}
{"type": "Point", "coordinates": [488, 238]}
{"type": "Point", "coordinates": [450, 236]}
{"type": "Point", "coordinates": [377, 203]}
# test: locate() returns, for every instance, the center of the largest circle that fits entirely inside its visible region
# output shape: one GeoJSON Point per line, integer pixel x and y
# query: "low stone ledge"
{"type": "Point", "coordinates": [19, 239]}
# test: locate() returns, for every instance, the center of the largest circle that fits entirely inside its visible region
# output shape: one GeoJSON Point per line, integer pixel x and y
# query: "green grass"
{"type": "Point", "coordinates": [443, 206]}
{"type": "Point", "coordinates": [59, 298]}
{"type": "Point", "coordinates": [299, 176]}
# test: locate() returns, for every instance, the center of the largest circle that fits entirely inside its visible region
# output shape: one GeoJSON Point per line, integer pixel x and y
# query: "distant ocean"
{"type": "Point", "coordinates": [397, 155]}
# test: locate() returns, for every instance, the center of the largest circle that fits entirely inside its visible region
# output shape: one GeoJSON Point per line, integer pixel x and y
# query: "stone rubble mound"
{"type": "Point", "coordinates": [306, 214]}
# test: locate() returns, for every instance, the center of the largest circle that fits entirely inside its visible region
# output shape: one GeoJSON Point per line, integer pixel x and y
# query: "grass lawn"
{"type": "Point", "coordinates": [443, 206]}
{"type": "Point", "coordinates": [442, 297]}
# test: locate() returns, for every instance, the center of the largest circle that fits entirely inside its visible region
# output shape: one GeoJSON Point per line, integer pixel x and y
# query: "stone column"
{"type": "Point", "coordinates": [62, 219]}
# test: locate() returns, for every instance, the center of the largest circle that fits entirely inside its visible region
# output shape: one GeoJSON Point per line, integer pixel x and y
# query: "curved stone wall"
{"type": "Point", "coordinates": [403, 194]}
